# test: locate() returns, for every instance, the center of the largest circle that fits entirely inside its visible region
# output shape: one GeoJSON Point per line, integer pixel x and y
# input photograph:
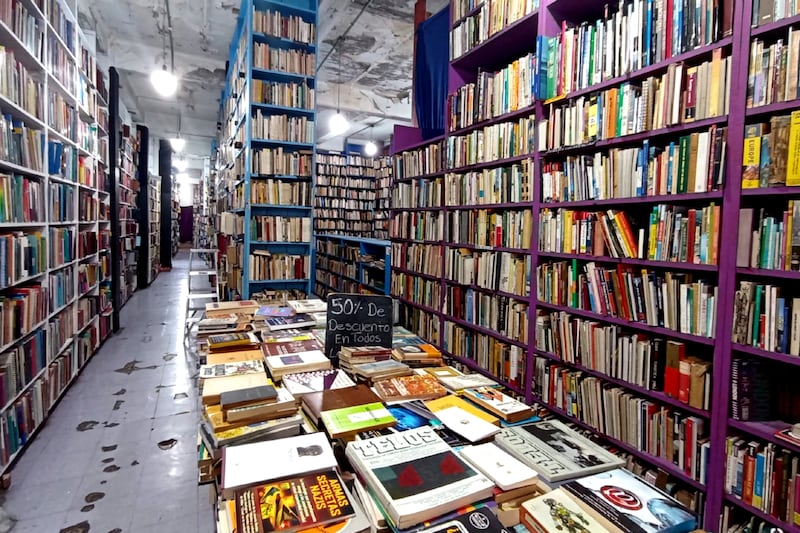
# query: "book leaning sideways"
{"type": "Point", "coordinates": [416, 476]}
{"type": "Point", "coordinates": [555, 451]}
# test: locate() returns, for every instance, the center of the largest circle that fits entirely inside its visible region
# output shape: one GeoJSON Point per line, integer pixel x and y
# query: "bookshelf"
{"type": "Point", "coordinates": [175, 217]}
{"type": "Point", "coordinates": [266, 148]}
{"type": "Point", "coordinates": [383, 196]}
{"type": "Point", "coordinates": [591, 193]}
{"type": "Point", "coordinates": [345, 194]}
{"type": "Point", "coordinates": [128, 187]}
{"type": "Point", "coordinates": [352, 264]}
{"type": "Point", "coordinates": [154, 226]}
{"type": "Point", "coordinates": [54, 230]}
{"type": "Point", "coordinates": [148, 214]}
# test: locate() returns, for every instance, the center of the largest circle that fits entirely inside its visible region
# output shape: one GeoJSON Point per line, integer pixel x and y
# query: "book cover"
{"type": "Point", "coordinates": [506, 471]}
{"type": "Point", "coordinates": [499, 403]}
{"type": "Point", "coordinates": [231, 340]}
{"type": "Point", "coordinates": [279, 323]}
{"type": "Point", "coordinates": [631, 504]}
{"type": "Point", "coordinates": [248, 396]}
{"type": "Point", "coordinates": [752, 156]}
{"type": "Point", "coordinates": [475, 520]}
{"type": "Point", "coordinates": [293, 504]}
{"type": "Point", "coordinates": [466, 424]}
{"type": "Point", "coordinates": [315, 403]}
{"type": "Point", "coordinates": [557, 512]}
{"type": "Point", "coordinates": [347, 421]}
{"type": "Point", "coordinates": [414, 387]}
{"type": "Point", "coordinates": [290, 346]}
{"type": "Point", "coordinates": [231, 369]}
{"type": "Point", "coordinates": [244, 465]}
{"type": "Point", "coordinates": [466, 381]}
{"type": "Point", "coordinates": [451, 400]}
{"type": "Point", "coordinates": [406, 418]}
{"type": "Point", "coordinates": [236, 356]}
{"type": "Point", "coordinates": [555, 451]}
{"type": "Point", "coordinates": [321, 380]}
{"type": "Point", "coordinates": [293, 363]}
{"type": "Point", "coordinates": [270, 311]}
{"type": "Point", "coordinates": [793, 162]}
{"type": "Point", "coordinates": [213, 388]}
{"type": "Point", "coordinates": [312, 305]}
{"type": "Point", "coordinates": [416, 476]}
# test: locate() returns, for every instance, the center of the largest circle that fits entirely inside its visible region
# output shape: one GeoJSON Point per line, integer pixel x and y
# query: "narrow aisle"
{"type": "Point", "coordinates": [98, 460]}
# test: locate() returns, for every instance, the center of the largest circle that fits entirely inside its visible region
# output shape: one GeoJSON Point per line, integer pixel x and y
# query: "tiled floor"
{"type": "Point", "coordinates": [97, 461]}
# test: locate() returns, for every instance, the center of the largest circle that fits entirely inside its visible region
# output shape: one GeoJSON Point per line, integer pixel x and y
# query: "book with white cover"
{"type": "Point", "coordinates": [557, 512]}
{"type": "Point", "coordinates": [467, 381]}
{"type": "Point", "coordinates": [231, 369]}
{"type": "Point", "coordinates": [311, 305]}
{"type": "Point", "coordinates": [466, 424]}
{"type": "Point", "coordinates": [316, 381]}
{"type": "Point", "coordinates": [250, 464]}
{"type": "Point", "coordinates": [416, 476]}
{"type": "Point", "coordinates": [555, 451]}
{"type": "Point", "coordinates": [506, 471]}
{"type": "Point", "coordinates": [294, 363]}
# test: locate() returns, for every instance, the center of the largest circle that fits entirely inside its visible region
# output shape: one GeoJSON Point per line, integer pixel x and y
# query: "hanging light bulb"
{"type": "Point", "coordinates": [181, 164]}
{"type": "Point", "coordinates": [371, 149]}
{"type": "Point", "coordinates": [164, 82]}
{"type": "Point", "coordinates": [177, 143]}
{"type": "Point", "coordinates": [338, 124]}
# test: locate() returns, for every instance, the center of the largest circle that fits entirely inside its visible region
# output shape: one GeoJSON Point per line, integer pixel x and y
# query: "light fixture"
{"type": "Point", "coordinates": [177, 143]}
{"type": "Point", "coordinates": [338, 124]}
{"type": "Point", "coordinates": [182, 177]}
{"type": "Point", "coordinates": [371, 149]}
{"type": "Point", "coordinates": [181, 164]}
{"type": "Point", "coordinates": [164, 82]}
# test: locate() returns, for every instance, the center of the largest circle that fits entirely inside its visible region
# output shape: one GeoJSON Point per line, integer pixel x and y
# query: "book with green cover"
{"type": "Point", "coordinates": [347, 421]}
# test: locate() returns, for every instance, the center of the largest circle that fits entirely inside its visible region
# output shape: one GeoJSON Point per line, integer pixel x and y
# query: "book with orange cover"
{"type": "Point", "coordinates": [234, 357]}
{"type": "Point", "coordinates": [407, 388]}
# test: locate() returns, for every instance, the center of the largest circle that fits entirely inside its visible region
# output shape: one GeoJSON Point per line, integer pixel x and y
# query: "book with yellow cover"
{"type": "Point", "coordinates": [451, 400]}
{"type": "Point", "coordinates": [793, 163]}
{"type": "Point", "coordinates": [236, 356]}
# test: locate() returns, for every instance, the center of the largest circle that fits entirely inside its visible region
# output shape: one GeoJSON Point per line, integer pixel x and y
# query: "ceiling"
{"type": "Point", "coordinates": [375, 40]}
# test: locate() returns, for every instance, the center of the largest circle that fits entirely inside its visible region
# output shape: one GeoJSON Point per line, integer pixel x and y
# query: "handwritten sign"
{"type": "Point", "coordinates": [357, 320]}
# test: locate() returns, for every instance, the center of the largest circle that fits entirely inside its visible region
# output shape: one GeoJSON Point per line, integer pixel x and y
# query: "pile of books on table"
{"type": "Point", "coordinates": [293, 444]}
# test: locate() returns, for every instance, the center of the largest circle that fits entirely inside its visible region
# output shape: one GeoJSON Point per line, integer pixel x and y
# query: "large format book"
{"type": "Point", "coordinates": [216, 309]}
{"type": "Point", "coordinates": [557, 512]}
{"type": "Point", "coordinates": [284, 405]}
{"type": "Point", "coordinates": [499, 403]}
{"type": "Point", "coordinates": [451, 400]}
{"type": "Point", "coordinates": [346, 422]}
{"type": "Point", "coordinates": [231, 369]}
{"type": "Point", "coordinates": [632, 505]}
{"type": "Point", "coordinates": [502, 468]}
{"type": "Point", "coordinates": [293, 504]}
{"type": "Point", "coordinates": [316, 403]}
{"type": "Point", "coordinates": [238, 356]}
{"type": "Point", "coordinates": [416, 476]}
{"type": "Point", "coordinates": [279, 365]}
{"type": "Point", "coordinates": [249, 464]}
{"type": "Point", "coordinates": [406, 388]}
{"type": "Point", "coordinates": [318, 381]}
{"type": "Point", "coordinates": [555, 451]}
{"type": "Point", "coordinates": [213, 388]}
{"type": "Point", "coordinates": [280, 323]}
{"type": "Point", "coordinates": [312, 305]}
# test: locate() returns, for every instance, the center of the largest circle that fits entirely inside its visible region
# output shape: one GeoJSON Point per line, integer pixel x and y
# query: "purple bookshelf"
{"type": "Point", "coordinates": [518, 39]}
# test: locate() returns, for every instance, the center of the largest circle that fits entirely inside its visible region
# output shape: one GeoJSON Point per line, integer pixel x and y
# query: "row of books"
{"type": "Point", "coordinates": [654, 429]}
{"type": "Point", "coordinates": [60, 330]}
{"type": "Point", "coordinates": [279, 59]}
{"type": "Point", "coordinates": [88, 206]}
{"type": "Point", "coordinates": [21, 256]}
{"type": "Point", "coordinates": [28, 29]}
{"type": "Point", "coordinates": [417, 193]}
{"type": "Point", "coordinates": [19, 366]}
{"type": "Point", "coordinates": [61, 22]}
{"type": "Point", "coordinates": [280, 228]}
{"type": "Point", "coordinates": [88, 276]}
{"type": "Point", "coordinates": [420, 162]}
{"type": "Point", "coordinates": [651, 363]}
{"type": "Point", "coordinates": [290, 27]}
{"type": "Point", "coordinates": [672, 233]}
{"type": "Point", "coordinates": [267, 266]}
{"type": "Point", "coordinates": [427, 226]}
{"type": "Point", "coordinates": [501, 314]}
{"type": "Point", "coordinates": [500, 185]}
{"type": "Point", "coordinates": [343, 227]}
{"type": "Point", "coordinates": [282, 128]}
{"type": "Point", "coordinates": [336, 266]}
{"type": "Point", "coordinates": [493, 94]}
{"type": "Point", "coordinates": [334, 160]}
{"type": "Point", "coordinates": [333, 191]}
{"type": "Point", "coordinates": [21, 145]}
{"type": "Point", "coordinates": [496, 271]}
{"type": "Point", "coordinates": [21, 199]}
{"type": "Point", "coordinates": [60, 64]}
{"type": "Point", "coordinates": [766, 11]}
{"type": "Point", "coordinates": [344, 250]}
{"type": "Point", "coordinates": [681, 95]}
{"type": "Point", "coordinates": [670, 300]}
{"type": "Point", "coordinates": [62, 246]}
{"type": "Point", "coordinates": [424, 258]}
{"type": "Point", "coordinates": [22, 309]}
{"type": "Point", "coordinates": [61, 287]}
{"type": "Point", "coordinates": [342, 178]}
{"type": "Point", "coordinates": [482, 227]}
{"type": "Point", "coordinates": [503, 360]}
{"type": "Point", "coordinates": [769, 241]}
{"type": "Point", "coordinates": [420, 322]}
{"type": "Point", "coordinates": [773, 73]}
{"type": "Point", "coordinates": [492, 18]}
{"type": "Point", "coordinates": [297, 95]}
{"type": "Point", "coordinates": [418, 290]}
{"type": "Point", "coordinates": [763, 391]}
{"type": "Point", "coordinates": [765, 476]}
{"type": "Point", "coordinates": [498, 141]}
{"type": "Point", "coordinates": [62, 117]}
{"type": "Point", "coordinates": [693, 163]}
{"type": "Point", "coordinates": [277, 161]}
{"type": "Point", "coordinates": [363, 216]}
{"type": "Point", "coordinates": [637, 34]}
{"type": "Point", "coordinates": [62, 202]}
{"type": "Point", "coordinates": [18, 85]}
{"type": "Point", "coordinates": [764, 319]}
{"type": "Point", "coordinates": [87, 242]}
{"type": "Point", "coordinates": [772, 153]}
{"type": "Point", "coordinates": [323, 202]}
{"type": "Point", "coordinates": [280, 192]}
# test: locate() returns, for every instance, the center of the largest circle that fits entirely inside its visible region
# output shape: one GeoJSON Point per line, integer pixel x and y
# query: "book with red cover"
{"type": "Point", "coordinates": [676, 351]}
{"type": "Point", "coordinates": [282, 348]}
{"type": "Point", "coordinates": [414, 387]}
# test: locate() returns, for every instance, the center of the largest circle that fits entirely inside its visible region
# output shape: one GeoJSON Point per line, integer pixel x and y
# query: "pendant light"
{"type": "Point", "coordinates": [178, 143]}
{"type": "Point", "coordinates": [164, 81]}
{"type": "Point", "coordinates": [337, 124]}
{"type": "Point", "coordinates": [370, 149]}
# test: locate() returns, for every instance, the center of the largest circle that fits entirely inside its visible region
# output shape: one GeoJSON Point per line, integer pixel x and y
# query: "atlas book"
{"type": "Point", "coordinates": [557, 512]}
{"type": "Point", "coordinates": [631, 504]}
{"type": "Point", "coordinates": [244, 465]}
{"type": "Point", "coordinates": [312, 305]}
{"type": "Point", "coordinates": [280, 323]}
{"type": "Point", "coordinates": [406, 388]}
{"type": "Point", "coordinates": [293, 504]}
{"type": "Point", "coordinates": [499, 403]}
{"type": "Point", "coordinates": [317, 381]}
{"type": "Point", "coordinates": [555, 451]}
{"type": "Point", "coordinates": [415, 476]}
{"type": "Point", "coordinates": [279, 365]}
{"type": "Point", "coordinates": [346, 422]}
{"type": "Point", "coordinates": [231, 369]}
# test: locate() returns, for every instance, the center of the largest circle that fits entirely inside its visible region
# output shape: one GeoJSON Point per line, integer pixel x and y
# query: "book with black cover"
{"type": "Point", "coordinates": [248, 396]}
{"type": "Point", "coordinates": [289, 322]}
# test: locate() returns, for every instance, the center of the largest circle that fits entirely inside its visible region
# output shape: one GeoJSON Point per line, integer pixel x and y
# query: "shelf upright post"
{"type": "Point", "coordinates": [143, 204]}
{"type": "Point", "coordinates": [247, 146]}
{"type": "Point", "coordinates": [113, 192]}
{"type": "Point", "coordinates": [165, 173]}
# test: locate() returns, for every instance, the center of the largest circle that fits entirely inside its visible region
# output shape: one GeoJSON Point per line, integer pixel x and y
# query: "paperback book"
{"type": "Point", "coordinates": [280, 365]}
{"type": "Point", "coordinates": [556, 512]}
{"type": "Point", "coordinates": [318, 381]}
{"type": "Point", "coordinates": [346, 422]}
{"type": "Point", "coordinates": [499, 403]}
{"type": "Point", "coordinates": [231, 369]}
{"type": "Point", "coordinates": [312, 305]}
{"type": "Point", "coordinates": [279, 323]}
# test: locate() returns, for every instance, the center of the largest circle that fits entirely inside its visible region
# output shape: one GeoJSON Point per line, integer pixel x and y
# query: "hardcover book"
{"type": "Point", "coordinates": [281, 348]}
{"type": "Point", "coordinates": [632, 505]}
{"type": "Point", "coordinates": [499, 403]}
{"type": "Point", "coordinates": [279, 323]}
{"type": "Point", "coordinates": [346, 422]}
{"type": "Point", "coordinates": [318, 381]}
{"type": "Point", "coordinates": [293, 504]}
{"type": "Point", "coordinates": [216, 309]}
{"type": "Point", "coordinates": [213, 388]}
{"type": "Point", "coordinates": [416, 476]}
{"type": "Point", "coordinates": [278, 365]}
{"type": "Point", "coordinates": [466, 381]}
{"type": "Point", "coordinates": [248, 396]}
{"type": "Point", "coordinates": [555, 451]}
{"type": "Point", "coordinates": [284, 405]}
{"type": "Point", "coordinates": [557, 512]}
{"type": "Point", "coordinates": [498, 465]}
{"type": "Point", "coordinates": [312, 305]}
{"type": "Point", "coordinates": [237, 356]}
{"type": "Point", "coordinates": [315, 403]}
{"type": "Point", "coordinates": [474, 520]}
{"type": "Point", "coordinates": [245, 465]}
{"type": "Point", "coordinates": [405, 388]}
{"type": "Point", "coordinates": [231, 369]}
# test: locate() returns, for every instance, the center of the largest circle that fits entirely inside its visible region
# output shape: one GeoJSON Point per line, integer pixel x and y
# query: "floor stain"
{"type": "Point", "coordinates": [167, 444]}
{"type": "Point", "coordinates": [82, 527]}
{"type": "Point", "coordinates": [87, 425]}
{"type": "Point", "coordinates": [111, 448]}
{"type": "Point", "coordinates": [120, 392]}
{"type": "Point", "coordinates": [117, 405]}
{"type": "Point", "coordinates": [87, 508]}
{"type": "Point", "coordinates": [180, 396]}
{"type": "Point", "coordinates": [182, 413]}
{"type": "Point", "coordinates": [134, 463]}
{"type": "Point", "coordinates": [103, 482]}
{"type": "Point", "coordinates": [94, 497]}
{"type": "Point", "coordinates": [111, 468]}
{"type": "Point", "coordinates": [131, 366]}
{"type": "Point", "coordinates": [147, 338]}
{"type": "Point", "coordinates": [110, 424]}
{"type": "Point", "coordinates": [108, 460]}
{"type": "Point", "coordinates": [115, 530]}
{"type": "Point", "coordinates": [169, 356]}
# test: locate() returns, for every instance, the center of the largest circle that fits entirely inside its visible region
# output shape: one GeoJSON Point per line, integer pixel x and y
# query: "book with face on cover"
{"type": "Point", "coordinates": [293, 363]}
{"type": "Point", "coordinates": [415, 476]}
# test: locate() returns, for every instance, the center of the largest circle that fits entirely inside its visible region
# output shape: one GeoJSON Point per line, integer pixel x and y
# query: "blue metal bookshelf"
{"type": "Point", "coordinates": [257, 120]}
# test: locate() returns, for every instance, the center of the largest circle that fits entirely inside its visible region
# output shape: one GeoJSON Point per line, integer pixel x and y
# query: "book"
{"type": "Point", "coordinates": [293, 504]}
{"type": "Point", "coordinates": [279, 323]}
{"type": "Point", "coordinates": [469, 520]}
{"type": "Point", "coordinates": [381, 370]}
{"type": "Point", "coordinates": [406, 388]}
{"type": "Point", "coordinates": [466, 381]}
{"type": "Point", "coordinates": [317, 381]}
{"type": "Point", "coordinates": [793, 165]}
{"type": "Point", "coordinates": [244, 465]}
{"type": "Point", "coordinates": [251, 395]}
{"type": "Point", "coordinates": [237, 356]}
{"type": "Point", "coordinates": [466, 424]}
{"type": "Point", "coordinates": [790, 434]}
{"type": "Point", "coordinates": [231, 340]}
{"type": "Point", "coordinates": [556, 512]}
{"type": "Point", "coordinates": [632, 505]}
{"type": "Point", "coordinates": [503, 469]}
{"type": "Point", "coordinates": [270, 311]}
{"type": "Point", "coordinates": [346, 422]}
{"type": "Point", "coordinates": [451, 400]}
{"type": "Point", "coordinates": [315, 403]}
{"type": "Point", "coordinates": [416, 476]}
{"type": "Point", "coordinates": [555, 451]}
{"type": "Point", "coordinates": [231, 369]}
{"type": "Point", "coordinates": [257, 431]}
{"type": "Point", "coordinates": [279, 365]}
{"type": "Point", "coordinates": [215, 309]}
{"type": "Point", "coordinates": [282, 406]}
{"type": "Point", "coordinates": [499, 403]}
{"type": "Point", "coordinates": [312, 305]}
{"type": "Point", "coordinates": [290, 346]}
{"type": "Point", "coordinates": [213, 388]}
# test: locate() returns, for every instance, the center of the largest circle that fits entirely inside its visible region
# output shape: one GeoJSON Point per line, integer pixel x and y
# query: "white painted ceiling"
{"type": "Point", "coordinates": [376, 63]}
